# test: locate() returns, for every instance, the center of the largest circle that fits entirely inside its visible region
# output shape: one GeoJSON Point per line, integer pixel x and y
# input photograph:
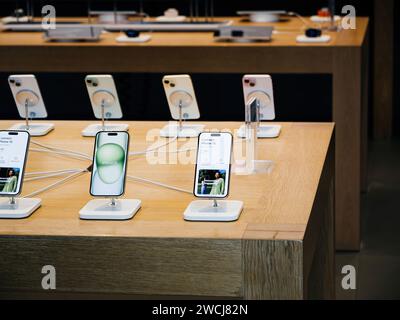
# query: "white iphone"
{"type": "Point", "coordinates": [25, 90]}
{"type": "Point", "coordinates": [260, 87]}
{"type": "Point", "coordinates": [213, 165]}
{"type": "Point", "coordinates": [102, 91]}
{"type": "Point", "coordinates": [13, 153]}
{"type": "Point", "coordinates": [179, 90]}
{"type": "Point", "coordinates": [109, 164]}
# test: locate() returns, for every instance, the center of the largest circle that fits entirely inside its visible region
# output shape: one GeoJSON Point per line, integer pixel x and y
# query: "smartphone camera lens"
{"type": "Point", "coordinates": [94, 84]}
{"type": "Point", "coordinates": [18, 84]}
{"type": "Point", "coordinates": [252, 84]}
{"type": "Point", "coordinates": [89, 81]}
{"type": "Point", "coordinates": [172, 85]}
{"type": "Point", "coordinates": [166, 81]}
{"type": "Point", "coordinates": [246, 80]}
{"type": "Point", "coordinates": [12, 81]}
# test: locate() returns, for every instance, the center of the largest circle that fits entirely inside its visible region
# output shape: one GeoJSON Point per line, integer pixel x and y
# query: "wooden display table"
{"type": "Point", "coordinates": [345, 57]}
{"type": "Point", "coordinates": [282, 247]}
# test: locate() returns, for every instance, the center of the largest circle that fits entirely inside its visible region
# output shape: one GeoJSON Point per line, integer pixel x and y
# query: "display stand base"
{"type": "Point", "coordinates": [263, 131]}
{"type": "Point", "coordinates": [35, 129]}
{"type": "Point", "coordinates": [170, 19]}
{"type": "Point", "coordinates": [93, 129]}
{"type": "Point", "coordinates": [259, 167]}
{"type": "Point", "coordinates": [141, 38]}
{"type": "Point", "coordinates": [102, 209]}
{"type": "Point", "coordinates": [203, 210]}
{"type": "Point", "coordinates": [187, 131]}
{"type": "Point", "coordinates": [321, 39]}
{"type": "Point", "coordinates": [22, 208]}
{"type": "Point", "coordinates": [318, 19]}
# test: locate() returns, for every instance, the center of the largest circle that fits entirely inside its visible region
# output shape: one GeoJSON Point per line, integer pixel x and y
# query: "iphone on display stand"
{"type": "Point", "coordinates": [259, 87]}
{"type": "Point", "coordinates": [105, 103]}
{"type": "Point", "coordinates": [212, 180]}
{"type": "Point", "coordinates": [14, 147]}
{"type": "Point", "coordinates": [29, 101]}
{"type": "Point", "coordinates": [110, 160]}
{"type": "Point", "coordinates": [183, 106]}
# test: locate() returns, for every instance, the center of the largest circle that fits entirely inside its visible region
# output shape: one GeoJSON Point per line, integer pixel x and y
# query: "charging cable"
{"type": "Point", "coordinates": [55, 184]}
{"type": "Point", "coordinates": [84, 156]}
{"type": "Point", "coordinates": [61, 151]}
{"type": "Point", "coordinates": [66, 154]}
{"type": "Point", "coordinates": [137, 153]}
{"type": "Point", "coordinates": [297, 15]}
{"type": "Point", "coordinates": [50, 174]}
{"type": "Point", "coordinates": [37, 173]}
{"type": "Point", "coordinates": [160, 184]}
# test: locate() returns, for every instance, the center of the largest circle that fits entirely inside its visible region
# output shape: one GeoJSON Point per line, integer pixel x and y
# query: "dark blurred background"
{"type": "Point", "coordinates": [157, 7]}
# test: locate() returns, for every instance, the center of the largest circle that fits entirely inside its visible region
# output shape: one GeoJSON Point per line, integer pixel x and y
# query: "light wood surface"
{"type": "Point", "coordinates": [344, 58]}
{"type": "Point", "coordinates": [282, 199]}
{"type": "Point", "coordinates": [280, 248]}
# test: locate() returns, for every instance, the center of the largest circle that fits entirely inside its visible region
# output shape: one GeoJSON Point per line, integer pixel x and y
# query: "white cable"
{"type": "Point", "coordinates": [178, 150]}
{"type": "Point", "coordinates": [160, 184]}
{"type": "Point", "coordinates": [67, 154]}
{"type": "Point", "coordinates": [80, 155]}
{"type": "Point", "coordinates": [305, 22]}
{"type": "Point", "coordinates": [154, 148]}
{"type": "Point", "coordinates": [36, 173]}
{"type": "Point", "coordinates": [42, 177]}
{"type": "Point", "coordinates": [191, 149]}
{"type": "Point", "coordinates": [61, 149]}
{"type": "Point", "coordinates": [55, 184]}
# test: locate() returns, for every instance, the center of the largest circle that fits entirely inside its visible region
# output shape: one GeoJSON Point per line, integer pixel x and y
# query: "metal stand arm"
{"type": "Point", "coordinates": [180, 106]}
{"type": "Point", "coordinates": [103, 106]}
{"type": "Point", "coordinates": [27, 113]}
{"type": "Point", "coordinates": [13, 201]}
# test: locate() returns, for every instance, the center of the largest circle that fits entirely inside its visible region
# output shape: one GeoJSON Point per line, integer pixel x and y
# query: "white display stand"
{"type": "Point", "coordinates": [18, 208]}
{"type": "Point", "coordinates": [103, 99]}
{"type": "Point", "coordinates": [213, 210]}
{"type": "Point", "coordinates": [319, 19]}
{"type": "Point", "coordinates": [170, 19]}
{"type": "Point", "coordinates": [11, 19]}
{"type": "Point", "coordinates": [171, 15]}
{"type": "Point", "coordinates": [180, 130]}
{"type": "Point", "coordinates": [322, 39]}
{"type": "Point", "coordinates": [34, 129]}
{"type": "Point", "coordinates": [260, 99]}
{"type": "Point", "coordinates": [103, 209]}
{"type": "Point", "coordinates": [251, 164]}
{"type": "Point", "coordinates": [263, 131]}
{"type": "Point", "coordinates": [140, 38]}
{"type": "Point", "coordinates": [93, 129]}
